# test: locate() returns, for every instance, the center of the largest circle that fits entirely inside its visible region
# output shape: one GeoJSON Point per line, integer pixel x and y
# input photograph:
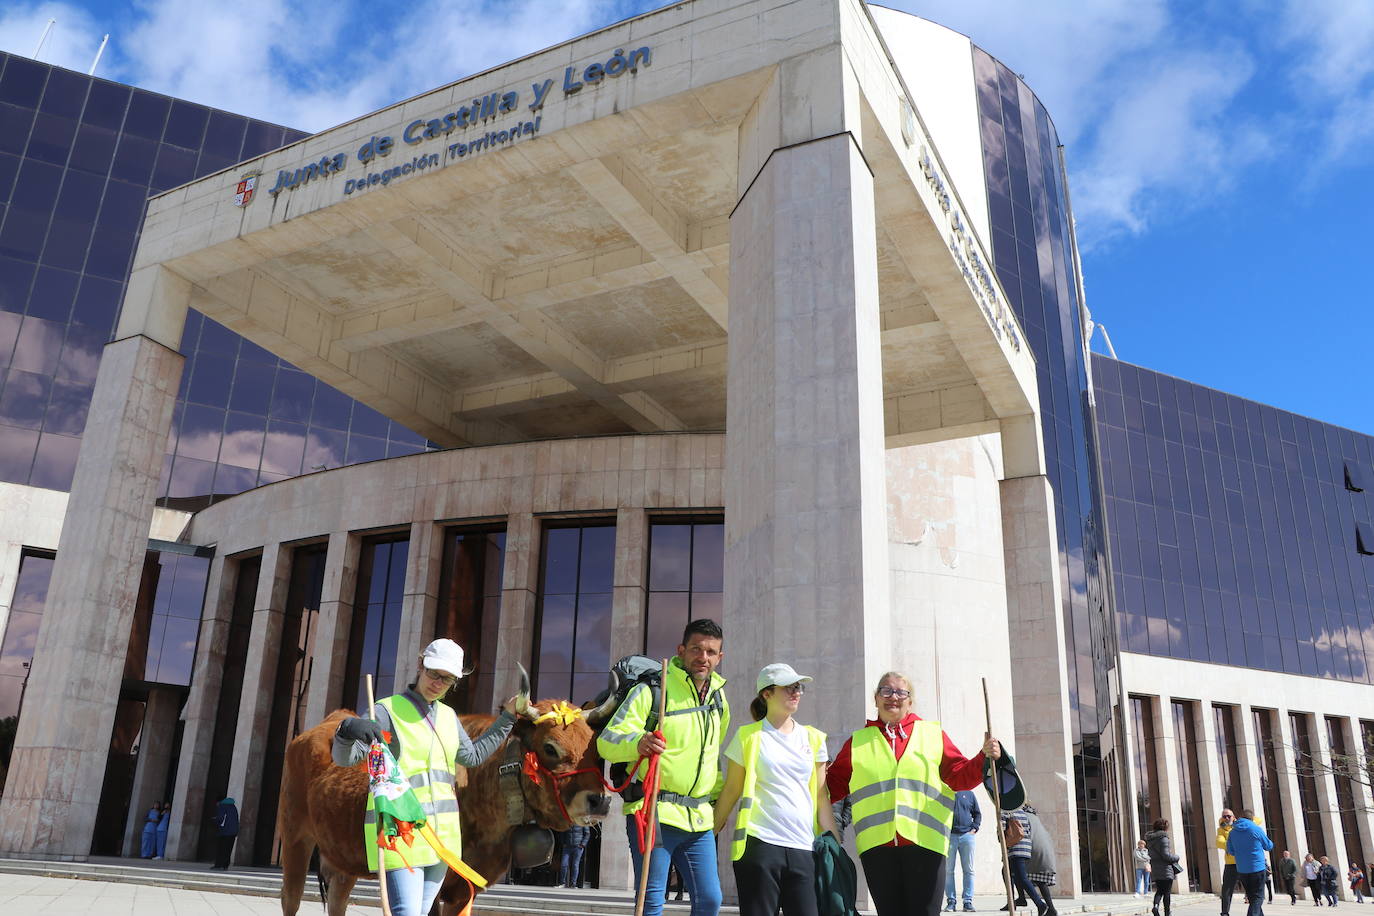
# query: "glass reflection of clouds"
{"type": "Point", "coordinates": [573, 622]}
{"type": "Point", "coordinates": [686, 578]}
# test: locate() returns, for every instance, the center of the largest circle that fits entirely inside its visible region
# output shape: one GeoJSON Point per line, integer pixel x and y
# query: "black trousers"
{"type": "Point", "coordinates": [905, 880]}
{"type": "Point", "coordinates": [1290, 889]}
{"type": "Point", "coordinates": [770, 875]}
{"type": "Point", "coordinates": [223, 848]}
{"type": "Point", "coordinates": [1164, 891]}
{"type": "Point", "coordinates": [1228, 887]}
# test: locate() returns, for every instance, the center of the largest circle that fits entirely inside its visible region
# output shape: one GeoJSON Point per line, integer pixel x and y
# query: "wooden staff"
{"type": "Point", "coordinates": [651, 801]}
{"type": "Point", "coordinates": [381, 853]}
{"type": "Point", "coordinates": [997, 803]}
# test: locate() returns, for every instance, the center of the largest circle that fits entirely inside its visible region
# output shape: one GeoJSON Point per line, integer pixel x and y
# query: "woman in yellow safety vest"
{"type": "Point", "coordinates": [429, 743]}
{"type": "Point", "coordinates": [900, 774]}
{"type": "Point", "coordinates": [777, 774]}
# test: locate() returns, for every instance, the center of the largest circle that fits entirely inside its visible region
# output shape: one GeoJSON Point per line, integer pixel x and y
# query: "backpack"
{"type": "Point", "coordinates": [631, 671]}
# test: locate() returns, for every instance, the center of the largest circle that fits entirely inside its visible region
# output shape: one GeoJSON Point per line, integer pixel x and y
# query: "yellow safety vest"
{"type": "Point", "coordinates": [906, 796]}
{"type": "Point", "coordinates": [749, 737]}
{"type": "Point", "coordinates": [428, 756]}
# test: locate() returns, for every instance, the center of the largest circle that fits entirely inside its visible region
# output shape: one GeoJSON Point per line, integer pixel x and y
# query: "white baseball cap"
{"type": "Point", "coordinates": [444, 655]}
{"type": "Point", "coordinates": [779, 674]}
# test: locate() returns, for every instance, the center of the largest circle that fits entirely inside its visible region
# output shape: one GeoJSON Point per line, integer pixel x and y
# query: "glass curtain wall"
{"type": "Point", "coordinates": [1270, 797]}
{"type": "Point", "coordinates": [686, 580]}
{"type": "Point", "coordinates": [377, 620]}
{"type": "Point", "coordinates": [1193, 829]}
{"type": "Point", "coordinates": [572, 639]}
{"type": "Point", "coordinates": [1228, 758]}
{"type": "Point", "coordinates": [16, 653]}
{"type": "Point", "coordinates": [1233, 530]}
{"type": "Point", "coordinates": [1033, 254]}
{"type": "Point", "coordinates": [1341, 765]}
{"type": "Point", "coordinates": [245, 571]}
{"type": "Point", "coordinates": [1304, 762]}
{"type": "Point", "coordinates": [1147, 807]}
{"type": "Point", "coordinates": [469, 611]}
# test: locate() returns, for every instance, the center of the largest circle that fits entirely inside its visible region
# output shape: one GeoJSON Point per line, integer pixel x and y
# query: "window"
{"type": "Point", "coordinates": [469, 610]}
{"type": "Point", "coordinates": [1193, 826]}
{"type": "Point", "coordinates": [1342, 764]}
{"type": "Point", "coordinates": [1146, 766]}
{"type": "Point", "coordinates": [686, 580]}
{"type": "Point", "coordinates": [1270, 796]}
{"type": "Point", "coordinates": [1364, 538]}
{"type": "Point", "coordinates": [21, 632]}
{"type": "Point", "coordinates": [1304, 762]}
{"type": "Point", "coordinates": [1354, 477]}
{"type": "Point", "coordinates": [377, 620]}
{"type": "Point", "coordinates": [572, 643]}
{"type": "Point", "coordinates": [1228, 761]}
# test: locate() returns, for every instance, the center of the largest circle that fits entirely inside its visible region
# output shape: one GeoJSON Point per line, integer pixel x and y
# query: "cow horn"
{"type": "Point", "coordinates": [522, 697]}
{"type": "Point", "coordinates": [602, 714]}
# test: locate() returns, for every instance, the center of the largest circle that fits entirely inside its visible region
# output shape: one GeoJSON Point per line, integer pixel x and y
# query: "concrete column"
{"type": "Point", "coordinates": [154, 760]}
{"type": "Point", "coordinates": [421, 599]}
{"type": "Point", "coordinates": [1291, 796]}
{"type": "Point", "coordinates": [1249, 760]}
{"type": "Point", "coordinates": [255, 703]}
{"type": "Point", "coordinates": [1328, 803]}
{"type": "Point", "coordinates": [1039, 664]}
{"type": "Point", "coordinates": [202, 710]}
{"type": "Point", "coordinates": [11, 553]}
{"type": "Point", "coordinates": [1170, 788]}
{"type": "Point", "coordinates": [1211, 776]}
{"type": "Point", "coordinates": [519, 594]}
{"type": "Point", "coordinates": [806, 530]}
{"type": "Point", "coordinates": [58, 766]}
{"type": "Point", "coordinates": [335, 622]}
{"type": "Point", "coordinates": [1362, 793]}
{"type": "Point", "coordinates": [628, 608]}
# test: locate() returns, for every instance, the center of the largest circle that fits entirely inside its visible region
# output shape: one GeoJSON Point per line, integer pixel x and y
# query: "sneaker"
{"type": "Point", "coordinates": [949, 906]}
{"type": "Point", "coordinates": [968, 908]}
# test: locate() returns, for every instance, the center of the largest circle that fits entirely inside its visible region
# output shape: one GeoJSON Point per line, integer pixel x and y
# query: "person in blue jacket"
{"type": "Point", "coordinates": [163, 823]}
{"type": "Point", "coordinates": [968, 817]}
{"type": "Point", "coordinates": [148, 841]}
{"type": "Point", "coordinates": [1247, 844]}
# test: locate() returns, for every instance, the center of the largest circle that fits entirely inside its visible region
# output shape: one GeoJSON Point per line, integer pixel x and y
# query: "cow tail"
{"type": "Point", "coordinates": [324, 888]}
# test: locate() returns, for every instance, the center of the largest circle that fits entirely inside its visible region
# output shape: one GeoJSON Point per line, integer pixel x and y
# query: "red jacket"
{"type": "Point", "coordinates": [957, 771]}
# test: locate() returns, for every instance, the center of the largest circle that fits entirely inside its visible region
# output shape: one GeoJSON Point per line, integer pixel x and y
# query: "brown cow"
{"type": "Point", "coordinates": [322, 805]}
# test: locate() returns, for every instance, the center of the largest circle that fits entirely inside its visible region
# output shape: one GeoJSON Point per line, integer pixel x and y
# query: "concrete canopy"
{"type": "Point", "coordinates": [569, 274]}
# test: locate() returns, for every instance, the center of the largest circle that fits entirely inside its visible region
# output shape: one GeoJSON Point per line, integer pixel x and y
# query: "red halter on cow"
{"type": "Point", "coordinates": [546, 775]}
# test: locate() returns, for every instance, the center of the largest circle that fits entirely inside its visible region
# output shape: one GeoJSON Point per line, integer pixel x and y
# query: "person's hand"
{"type": "Point", "coordinates": [651, 744]}
{"type": "Point", "coordinates": [360, 729]}
{"type": "Point", "coordinates": [510, 706]}
{"type": "Point", "coordinates": [992, 748]}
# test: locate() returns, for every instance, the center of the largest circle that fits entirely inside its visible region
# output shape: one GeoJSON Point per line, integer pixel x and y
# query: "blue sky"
{"type": "Point", "coordinates": [1218, 153]}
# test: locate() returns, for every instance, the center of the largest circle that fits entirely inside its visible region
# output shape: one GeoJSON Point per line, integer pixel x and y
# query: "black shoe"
{"type": "Point", "coordinates": [1154, 911]}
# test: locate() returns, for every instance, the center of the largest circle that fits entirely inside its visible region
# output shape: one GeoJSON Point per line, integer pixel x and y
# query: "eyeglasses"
{"type": "Point", "coordinates": [797, 689]}
{"type": "Point", "coordinates": [888, 692]}
{"type": "Point", "coordinates": [448, 680]}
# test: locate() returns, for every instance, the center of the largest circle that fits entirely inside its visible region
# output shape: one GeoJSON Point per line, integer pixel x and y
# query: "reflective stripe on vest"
{"type": "Point", "coordinates": [750, 737]}
{"type": "Point", "coordinates": [428, 758]}
{"type": "Point", "coordinates": [906, 796]}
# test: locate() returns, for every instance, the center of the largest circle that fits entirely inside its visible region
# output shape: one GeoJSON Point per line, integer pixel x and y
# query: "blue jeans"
{"type": "Point", "coordinates": [1142, 880]}
{"type": "Point", "coordinates": [570, 866]}
{"type": "Point", "coordinates": [960, 844]}
{"type": "Point", "coordinates": [412, 893]}
{"type": "Point", "coordinates": [1253, 882]}
{"type": "Point", "coordinates": [694, 854]}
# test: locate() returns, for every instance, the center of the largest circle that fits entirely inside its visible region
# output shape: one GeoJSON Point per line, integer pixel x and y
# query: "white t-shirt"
{"type": "Point", "coordinates": [784, 808]}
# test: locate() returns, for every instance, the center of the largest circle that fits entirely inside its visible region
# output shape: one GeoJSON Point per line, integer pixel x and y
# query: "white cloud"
{"type": "Point", "coordinates": [72, 43]}
{"type": "Point", "coordinates": [1333, 70]}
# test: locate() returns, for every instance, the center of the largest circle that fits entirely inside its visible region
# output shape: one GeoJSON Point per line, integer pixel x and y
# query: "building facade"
{"type": "Point", "coordinates": [757, 310]}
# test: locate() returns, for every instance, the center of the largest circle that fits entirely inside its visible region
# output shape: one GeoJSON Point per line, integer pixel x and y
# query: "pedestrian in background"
{"type": "Point", "coordinates": [1020, 838]}
{"type": "Point", "coordinates": [1288, 874]}
{"type": "Point", "coordinates": [1142, 868]}
{"type": "Point", "coordinates": [1247, 843]}
{"type": "Point", "coordinates": [963, 833]}
{"type": "Point", "coordinates": [1329, 878]}
{"type": "Point", "coordinates": [1356, 878]}
{"type": "Point", "coordinates": [1162, 863]}
{"type": "Point", "coordinates": [574, 841]}
{"type": "Point", "coordinates": [164, 822]}
{"type": "Point", "coordinates": [1041, 867]}
{"type": "Point", "coordinates": [226, 819]}
{"type": "Point", "coordinates": [148, 841]}
{"type": "Point", "coordinates": [1228, 871]}
{"type": "Point", "coordinates": [1311, 873]}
